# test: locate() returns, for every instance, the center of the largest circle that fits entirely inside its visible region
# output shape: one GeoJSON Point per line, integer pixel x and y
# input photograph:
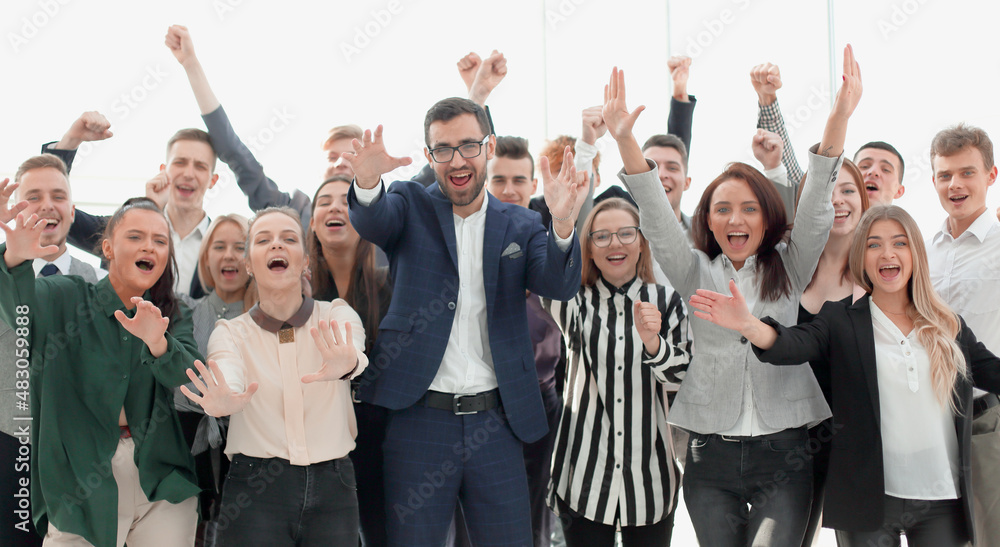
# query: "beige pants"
{"type": "Point", "coordinates": [985, 456]}
{"type": "Point", "coordinates": [140, 522]}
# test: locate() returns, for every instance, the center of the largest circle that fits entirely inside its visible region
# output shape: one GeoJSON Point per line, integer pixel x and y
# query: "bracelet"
{"type": "Point", "coordinates": [560, 219]}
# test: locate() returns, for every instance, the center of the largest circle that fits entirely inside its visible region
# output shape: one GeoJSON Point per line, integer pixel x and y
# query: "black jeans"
{"type": "Point", "coordinates": [271, 502]}
{"type": "Point", "coordinates": [926, 523]}
{"type": "Point", "coordinates": [726, 474]}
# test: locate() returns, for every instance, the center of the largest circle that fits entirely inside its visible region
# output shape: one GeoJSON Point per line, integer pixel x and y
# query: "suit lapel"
{"type": "Point", "coordinates": [861, 319]}
{"type": "Point", "coordinates": [446, 218]}
{"type": "Point", "coordinates": [496, 231]}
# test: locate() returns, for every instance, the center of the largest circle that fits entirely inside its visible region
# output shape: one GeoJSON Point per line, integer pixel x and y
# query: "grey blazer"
{"type": "Point", "coordinates": [711, 397]}
{"type": "Point", "coordinates": [8, 363]}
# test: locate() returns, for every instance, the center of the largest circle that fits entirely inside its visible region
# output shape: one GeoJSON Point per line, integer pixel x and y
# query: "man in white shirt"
{"type": "Point", "coordinates": [179, 189]}
{"type": "Point", "coordinates": [964, 259]}
{"type": "Point", "coordinates": [41, 189]}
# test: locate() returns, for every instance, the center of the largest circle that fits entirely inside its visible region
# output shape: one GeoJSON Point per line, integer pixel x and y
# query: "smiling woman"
{"type": "Point", "coordinates": [103, 366]}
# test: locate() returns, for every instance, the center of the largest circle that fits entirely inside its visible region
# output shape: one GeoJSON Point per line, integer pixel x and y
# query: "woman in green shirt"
{"type": "Point", "coordinates": [108, 460]}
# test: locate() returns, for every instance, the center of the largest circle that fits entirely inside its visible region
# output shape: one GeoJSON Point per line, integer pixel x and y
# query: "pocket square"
{"type": "Point", "coordinates": [512, 251]}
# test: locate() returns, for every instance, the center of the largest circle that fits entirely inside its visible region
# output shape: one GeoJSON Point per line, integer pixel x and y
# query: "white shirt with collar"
{"type": "Point", "coordinates": [467, 364]}
{"type": "Point", "coordinates": [186, 252]}
{"type": "Point", "coordinates": [919, 443]}
{"type": "Point", "coordinates": [965, 271]}
{"type": "Point", "coordinates": [63, 262]}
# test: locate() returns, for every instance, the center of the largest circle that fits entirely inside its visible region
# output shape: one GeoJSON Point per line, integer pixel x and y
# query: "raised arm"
{"type": "Point", "coordinates": [767, 148]}
{"type": "Point", "coordinates": [671, 246]}
{"type": "Point", "coordinates": [766, 80]}
{"type": "Point", "coordinates": [260, 190]}
{"type": "Point", "coordinates": [481, 77]}
{"type": "Point", "coordinates": [681, 116]}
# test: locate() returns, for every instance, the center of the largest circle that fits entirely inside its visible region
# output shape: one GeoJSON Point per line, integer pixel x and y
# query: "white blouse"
{"type": "Point", "coordinates": [919, 443]}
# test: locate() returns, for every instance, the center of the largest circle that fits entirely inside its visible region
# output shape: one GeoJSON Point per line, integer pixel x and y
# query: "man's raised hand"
{"type": "Point", "coordinates": [216, 398]}
{"type": "Point", "coordinates": [9, 212]}
{"type": "Point", "coordinates": [467, 68]}
{"type": "Point", "coordinates": [766, 80]}
{"type": "Point", "coordinates": [178, 41]}
{"type": "Point", "coordinates": [90, 126]}
{"type": "Point", "coordinates": [24, 239]}
{"type": "Point", "coordinates": [767, 148]}
{"type": "Point", "coordinates": [593, 124]}
{"type": "Point", "coordinates": [488, 76]}
{"type": "Point", "coordinates": [370, 160]}
{"type": "Point", "coordinates": [562, 192]}
{"type": "Point", "coordinates": [158, 189]}
{"type": "Point", "coordinates": [680, 71]}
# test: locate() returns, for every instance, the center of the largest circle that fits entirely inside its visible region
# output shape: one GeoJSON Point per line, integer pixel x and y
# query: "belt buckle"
{"type": "Point", "coordinates": [455, 403]}
{"type": "Point", "coordinates": [354, 395]}
{"type": "Point", "coordinates": [729, 438]}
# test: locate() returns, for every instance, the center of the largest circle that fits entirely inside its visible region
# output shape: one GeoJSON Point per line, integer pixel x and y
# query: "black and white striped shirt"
{"type": "Point", "coordinates": [612, 451]}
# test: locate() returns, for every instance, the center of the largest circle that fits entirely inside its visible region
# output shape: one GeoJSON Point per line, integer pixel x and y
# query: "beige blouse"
{"type": "Point", "coordinates": [285, 418]}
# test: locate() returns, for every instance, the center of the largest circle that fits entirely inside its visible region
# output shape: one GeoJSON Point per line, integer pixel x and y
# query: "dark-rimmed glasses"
{"type": "Point", "coordinates": [469, 150]}
{"type": "Point", "coordinates": [626, 235]}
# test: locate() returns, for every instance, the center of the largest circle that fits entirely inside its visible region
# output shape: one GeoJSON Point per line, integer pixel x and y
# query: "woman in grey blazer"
{"type": "Point", "coordinates": [745, 418]}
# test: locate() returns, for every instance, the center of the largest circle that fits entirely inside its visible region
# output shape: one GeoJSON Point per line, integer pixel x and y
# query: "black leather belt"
{"type": "Point", "coordinates": [462, 404]}
{"type": "Point", "coordinates": [984, 403]}
{"type": "Point", "coordinates": [792, 434]}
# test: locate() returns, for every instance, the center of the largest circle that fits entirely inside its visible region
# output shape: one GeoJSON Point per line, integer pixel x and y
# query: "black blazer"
{"type": "Point", "coordinates": [841, 338]}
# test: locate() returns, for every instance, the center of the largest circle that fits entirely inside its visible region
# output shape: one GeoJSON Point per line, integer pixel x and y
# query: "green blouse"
{"type": "Point", "coordinates": [84, 368]}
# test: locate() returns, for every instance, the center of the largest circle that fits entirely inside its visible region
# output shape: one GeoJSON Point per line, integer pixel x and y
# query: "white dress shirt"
{"type": "Point", "coordinates": [919, 443]}
{"type": "Point", "coordinates": [965, 271]}
{"type": "Point", "coordinates": [467, 365]}
{"type": "Point", "coordinates": [186, 253]}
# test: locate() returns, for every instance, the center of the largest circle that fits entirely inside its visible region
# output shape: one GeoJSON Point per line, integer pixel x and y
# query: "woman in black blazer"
{"type": "Point", "coordinates": [876, 389]}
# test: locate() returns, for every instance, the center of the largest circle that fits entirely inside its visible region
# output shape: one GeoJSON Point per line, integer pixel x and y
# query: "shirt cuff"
{"type": "Point", "coordinates": [778, 175]}
{"type": "Point", "coordinates": [367, 196]}
{"type": "Point", "coordinates": [584, 156]}
{"type": "Point", "coordinates": [564, 244]}
{"type": "Point", "coordinates": [660, 356]}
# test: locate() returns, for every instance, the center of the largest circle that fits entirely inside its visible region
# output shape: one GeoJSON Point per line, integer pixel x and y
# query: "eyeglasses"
{"type": "Point", "coordinates": [469, 150]}
{"type": "Point", "coordinates": [626, 235]}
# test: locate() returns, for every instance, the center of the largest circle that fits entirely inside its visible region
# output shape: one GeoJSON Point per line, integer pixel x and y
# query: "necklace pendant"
{"type": "Point", "coordinates": [286, 336]}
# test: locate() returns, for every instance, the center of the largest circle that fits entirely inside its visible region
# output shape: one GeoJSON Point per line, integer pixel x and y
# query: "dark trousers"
{"type": "Point", "coordinates": [938, 523]}
{"type": "Point", "coordinates": [581, 532]}
{"type": "Point", "coordinates": [726, 474]}
{"type": "Point", "coordinates": [271, 502]}
{"type": "Point", "coordinates": [434, 457]}
{"type": "Point", "coordinates": [819, 449]}
{"type": "Point", "coordinates": [16, 525]}
{"type": "Point", "coordinates": [538, 465]}
{"type": "Point", "coordinates": [367, 459]}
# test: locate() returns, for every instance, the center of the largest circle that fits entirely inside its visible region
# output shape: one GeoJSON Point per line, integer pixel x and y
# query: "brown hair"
{"type": "Point", "coordinates": [936, 324]}
{"type": "Point", "coordinates": [951, 141]}
{"type": "Point", "coordinates": [287, 211]}
{"type": "Point", "coordinates": [770, 269]}
{"type": "Point", "coordinates": [365, 281]}
{"type": "Point", "coordinates": [349, 131]}
{"type": "Point", "coordinates": [161, 294]}
{"type": "Point", "coordinates": [41, 162]}
{"type": "Point", "coordinates": [449, 109]}
{"type": "Point", "coordinates": [669, 141]}
{"type": "Point", "coordinates": [514, 148]}
{"type": "Point", "coordinates": [590, 272]}
{"type": "Point", "coordinates": [196, 135]}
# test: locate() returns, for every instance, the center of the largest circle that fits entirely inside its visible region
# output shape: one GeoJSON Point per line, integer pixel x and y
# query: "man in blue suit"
{"type": "Point", "coordinates": [453, 358]}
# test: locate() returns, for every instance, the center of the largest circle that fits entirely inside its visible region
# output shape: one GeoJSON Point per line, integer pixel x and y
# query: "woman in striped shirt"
{"type": "Point", "coordinates": [612, 463]}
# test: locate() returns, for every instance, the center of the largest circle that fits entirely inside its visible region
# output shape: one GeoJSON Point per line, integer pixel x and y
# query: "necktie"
{"type": "Point", "coordinates": [49, 269]}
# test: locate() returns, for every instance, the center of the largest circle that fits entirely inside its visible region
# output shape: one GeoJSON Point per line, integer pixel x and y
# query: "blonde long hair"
{"type": "Point", "coordinates": [936, 324]}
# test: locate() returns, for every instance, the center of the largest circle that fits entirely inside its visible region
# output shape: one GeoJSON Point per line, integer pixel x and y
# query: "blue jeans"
{"type": "Point", "coordinates": [272, 502]}
{"type": "Point", "coordinates": [743, 491]}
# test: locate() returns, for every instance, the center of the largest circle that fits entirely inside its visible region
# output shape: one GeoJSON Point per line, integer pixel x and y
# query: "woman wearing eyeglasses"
{"type": "Point", "coordinates": [612, 463]}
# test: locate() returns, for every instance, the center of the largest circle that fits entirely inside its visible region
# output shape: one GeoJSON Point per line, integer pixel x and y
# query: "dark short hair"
{"type": "Point", "coordinates": [951, 141]}
{"type": "Point", "coordinates": [669, 141]}
{"type": "Point", "coordinates": [515, 148]}
{"type": "Point", "coordinates": [881, 145]}
{"type": "Point", "coordinates": [192, 134]}
{"type": "Point", "coordinates": [449, 109]}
